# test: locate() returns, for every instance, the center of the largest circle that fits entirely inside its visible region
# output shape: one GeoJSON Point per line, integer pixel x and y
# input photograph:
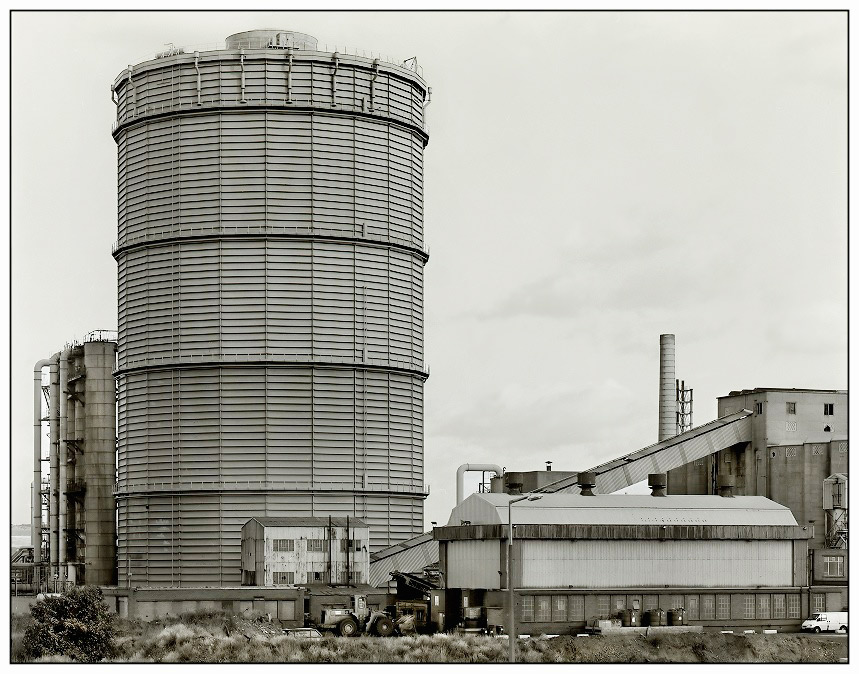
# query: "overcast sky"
{"type": "Point", "coordinates": [592, 180]}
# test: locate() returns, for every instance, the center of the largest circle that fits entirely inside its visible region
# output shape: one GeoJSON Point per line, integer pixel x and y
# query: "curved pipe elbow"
{"type": "Point", "coordinates": [466, 467]}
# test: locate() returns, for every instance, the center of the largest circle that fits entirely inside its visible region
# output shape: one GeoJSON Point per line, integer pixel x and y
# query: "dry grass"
{"type": "Point", "coordinates": [217, 637]}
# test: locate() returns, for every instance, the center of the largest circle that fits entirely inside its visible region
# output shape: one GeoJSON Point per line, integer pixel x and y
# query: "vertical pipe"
{"type": "Point", "coordinates": [667, 391]}
{"type": "Point", "coordinates": [373, 84]}
{"type": "Point", "coordinates": [133, 93]}
{"type": "Point", "coordinates": [511, 636]}
{"type": "Point", "coordinates": [71, 414]}
{"type": "Point", "coordinates": [199, 79]}
{"type": "Point", "coordinates": [76, 468]}
{"type": "Point", "coordinates": [242, 63]}
{"type": "Point", "coordinates": [289, 74]}
{"type": "Point", "coordinates": [36, 524]}
{"type": "Point", "coordinates": [63, 458]}
{"type": "Point", "coordinates": [334, 80]}
{"type": "Point", "coordinates": [53, 494]}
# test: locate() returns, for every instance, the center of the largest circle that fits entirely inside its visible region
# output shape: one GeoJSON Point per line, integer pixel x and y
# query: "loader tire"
{"type": "Point", "coordinates": [384, 626]}
{"type": "Point", "coordinates": [348, 627]}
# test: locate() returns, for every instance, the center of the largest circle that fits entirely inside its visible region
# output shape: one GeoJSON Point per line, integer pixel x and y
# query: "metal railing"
{"type": "Point", "coordinates": [265, 485]}
{"type": "Point", "coordinates": [240, 230]}
{"type": "Point", "coordinates": [409, 64]}
{"type": "Point", "coordinates": [101, 336]}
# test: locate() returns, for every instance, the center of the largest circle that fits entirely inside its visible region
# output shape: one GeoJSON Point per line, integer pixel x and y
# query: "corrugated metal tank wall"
{"type": "Point", "coordinates": [270, 258]}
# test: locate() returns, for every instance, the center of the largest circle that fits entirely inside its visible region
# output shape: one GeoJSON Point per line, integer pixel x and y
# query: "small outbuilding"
{"type": "Point", "coordinates": [305, 551]}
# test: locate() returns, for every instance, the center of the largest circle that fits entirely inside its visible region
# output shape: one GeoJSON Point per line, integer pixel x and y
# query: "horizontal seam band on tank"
{"type": "Point", "coordinates": [173, 365]}
{"type": "Point", "coordinates": [240, 108]}
{"type": "Point", "coordinates": [218, 236]}
{"type": "Point", "coordinates": [179, 489]}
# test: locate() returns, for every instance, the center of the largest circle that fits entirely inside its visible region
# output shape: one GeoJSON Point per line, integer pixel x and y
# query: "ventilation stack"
{"type": "Point", "coordinates": [667, 389]}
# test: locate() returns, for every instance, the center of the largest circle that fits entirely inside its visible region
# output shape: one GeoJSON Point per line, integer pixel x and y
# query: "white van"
{"type": "Point", "coordinates": [831, 621]}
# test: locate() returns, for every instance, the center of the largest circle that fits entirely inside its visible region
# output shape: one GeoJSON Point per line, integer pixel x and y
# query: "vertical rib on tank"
{"type": "Point", "coordinates": [271, 260]}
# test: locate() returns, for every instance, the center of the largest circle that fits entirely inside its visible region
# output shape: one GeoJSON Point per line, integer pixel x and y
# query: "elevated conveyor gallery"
{"type": "Point", "coordinates": [692, 445]}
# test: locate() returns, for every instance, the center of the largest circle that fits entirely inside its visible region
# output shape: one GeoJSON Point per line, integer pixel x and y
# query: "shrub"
{"type": "Point", "coordinates": [76, 625]}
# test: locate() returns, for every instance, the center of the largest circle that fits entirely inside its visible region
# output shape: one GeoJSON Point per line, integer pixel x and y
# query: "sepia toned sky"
{"type": "Point", "coordinates": [592, 180]}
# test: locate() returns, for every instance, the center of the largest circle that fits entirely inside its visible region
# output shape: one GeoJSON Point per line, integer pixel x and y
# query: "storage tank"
{"type": "Point", "coordinates": [270, 256]}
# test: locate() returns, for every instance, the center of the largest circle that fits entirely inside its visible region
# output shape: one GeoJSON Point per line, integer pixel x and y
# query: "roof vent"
{"type": "Point", "coordinates": [657, 483]}
{"type": "Point", "coordinates": [725, 484]}
{"type": "Point", "coordinates": [586, 482]}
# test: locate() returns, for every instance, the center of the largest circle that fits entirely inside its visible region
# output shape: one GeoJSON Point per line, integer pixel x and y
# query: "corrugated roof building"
{"type": "Point", "coordinates": [578, 558]}
{"type": "Point", "coordinates": [411, 556]}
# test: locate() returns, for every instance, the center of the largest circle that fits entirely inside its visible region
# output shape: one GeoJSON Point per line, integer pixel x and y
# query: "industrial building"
{"type": "Point", "coordinates": [270, 260]}
{"type": "Point", "coordinates": [252, 438]}
{"type": "Point", "coordinates": [73, 527]}
{"type": "Point", "coordinates": [577, 558]}
{"type": "Point", "coordinates": [305, 550]}
{"type": "Point", "coordinates": [794, 452]}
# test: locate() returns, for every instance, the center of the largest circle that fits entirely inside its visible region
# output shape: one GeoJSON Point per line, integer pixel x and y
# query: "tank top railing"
{"type": "Point", "coordinates": [189, 232]}
{"type": "Point", "coordinates": [135, 112]}
{"type": "Point", "coordinates": [267, 485]}
{"type": "Point", "coordinates": [409, 65]}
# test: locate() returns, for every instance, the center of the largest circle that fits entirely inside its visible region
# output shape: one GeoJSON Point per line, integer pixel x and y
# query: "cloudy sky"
{"type": "Point", "coordinates": [592, 180]}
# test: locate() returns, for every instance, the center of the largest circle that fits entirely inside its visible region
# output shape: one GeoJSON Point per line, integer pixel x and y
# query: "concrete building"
{"type": "Point", "coordinates": [270, 261]}
{"type": "Point", "coordinates": [797, 440]}
{"type": "Point", "coordinates": [305, 551]}
{"type": "Point", "coordinates": [738, 561]}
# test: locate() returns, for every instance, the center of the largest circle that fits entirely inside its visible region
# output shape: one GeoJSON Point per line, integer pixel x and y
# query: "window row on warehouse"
{"type": "Point", "coordinates": [314, 544]}
{"type": "Point", "coordinates": [697, 607]}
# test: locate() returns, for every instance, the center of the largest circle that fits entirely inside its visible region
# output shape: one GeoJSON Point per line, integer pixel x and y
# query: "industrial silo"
{"type": "Point", "coordinates": [270, 257]}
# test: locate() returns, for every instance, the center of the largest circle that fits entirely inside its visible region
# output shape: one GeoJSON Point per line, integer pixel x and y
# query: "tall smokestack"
{"type": "Point", "coordinates": [667, 389]}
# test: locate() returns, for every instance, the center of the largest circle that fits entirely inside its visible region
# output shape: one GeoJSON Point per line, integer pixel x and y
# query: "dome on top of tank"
{"type": "Point", "coordinates": [269, 37]}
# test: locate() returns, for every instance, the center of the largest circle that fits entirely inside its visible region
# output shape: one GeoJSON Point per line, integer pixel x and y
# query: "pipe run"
{"type": "Point", "coordinates": [199, 78]}
{"type": "Point", "coordinates": [62, 543]}
{"type": "Point", "coordinates": [373, 84]}
{"type": "Point", "coordinates": [336, 60]}
{"type": "Point", "coordinates": [289, 74]}
{"type": "Point", "coordinates": [467, 467]}
{"type": "Point", "coordinates": [242, 63]}
{"type": "Point", "coordinates": [54, 493]}
{"type": "Point", "coordinates": [36, 532]}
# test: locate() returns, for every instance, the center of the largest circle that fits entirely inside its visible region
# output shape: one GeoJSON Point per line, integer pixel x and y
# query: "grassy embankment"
{"type": "Point", "coordinates": [221, 638]}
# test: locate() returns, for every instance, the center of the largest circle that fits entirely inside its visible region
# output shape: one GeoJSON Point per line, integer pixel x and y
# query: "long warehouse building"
{"type": "Point", "coordinates": [271, 256]}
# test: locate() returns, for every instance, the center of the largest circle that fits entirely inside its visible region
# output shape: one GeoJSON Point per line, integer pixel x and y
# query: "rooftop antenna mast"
{"type": "Point", "coordinates": [684, 406]}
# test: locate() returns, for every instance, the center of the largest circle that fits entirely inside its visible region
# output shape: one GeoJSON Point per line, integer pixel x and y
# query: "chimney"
{"type": "Point", "coordinates": [548, 466]}
{"type": "Point", "coordinates": [725, 483]}
{"type": "Point", "coordinates": [657, 483]}
{"type": "Point", "coordinates": [667, 389]}
{"type": "Point", "coordinates": [586, 483]}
